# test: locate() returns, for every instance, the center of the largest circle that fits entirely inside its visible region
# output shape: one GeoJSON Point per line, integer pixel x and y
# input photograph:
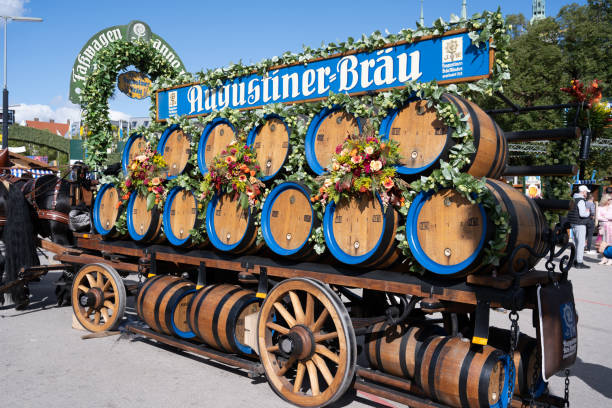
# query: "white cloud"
{"type": "Point", "coordinates": [60, 114]}
{"type": "Point", "coordinates": [14, 8]}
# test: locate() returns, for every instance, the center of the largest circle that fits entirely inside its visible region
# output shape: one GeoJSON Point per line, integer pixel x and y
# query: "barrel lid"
{"type": "Point", "coordinates": [354, 230]}
{"type": "Point", "coordinates": [134, 146]}
{"type": "Point", "coordinates": [270, 141]}
{"type": "Point", "coordinates": [327, 130]}
{"type": "Point", "coordinates": [138, 217]}
{"type": "Point", "coordinates": [422, 137]}
{"type": "Point", "coordinates": [105, 209]}
{"type": "Point", "coordinates": [287, 218]}
{"type": "Point", "coordinates": [226, 222]}
{"type": "Point", "coordinates": [177, 157]}
{"type": "Point", "coordinates": [180, 214]}
{"type": "Point", "coordinates": [220, 131]}
{"type": "Point", "coordinates": [446, 232]}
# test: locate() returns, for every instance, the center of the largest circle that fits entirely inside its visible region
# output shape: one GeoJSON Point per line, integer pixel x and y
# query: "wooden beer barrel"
{"type": "Point", "coordinates": [287, 221]}
{"type": "Point", "coordinates": [143, 225]}
{"type": "Point", "coordinates": [162, 303]}
{"type": "Point", "coordinates": [326, 131]}
{"type": "Point", "coordinates": [271, 144]}
{"type": "Point", "coordinates": [229, 227]}
{"type": "Point", "coordinates": [360, 233]}
{"type": "Point", "coordinates": [447, 234]}
{"type": "Point", "coordinates": [393, 349]}
{"type": "Point", "coordinates": [525, 361]}
{"type": "Point", "coordinates": [216, 315]}
{"type": "Point", "coordinates": [134, 146]}
{"type": "Point", "coordinates": [175, 146]}
{"type": "Point", "coordinates": [214, 139]}
{"type": "Point", "coordinates": [180, 217]}
{"type": "Point", "coordinates": [451, 371]}
{"type": "Point", "coordinates": [424, 139]}
{"type": "Point", "coordinates": [106, 211]}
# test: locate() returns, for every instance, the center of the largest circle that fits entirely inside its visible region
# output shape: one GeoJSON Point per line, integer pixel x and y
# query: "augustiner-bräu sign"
{"type": "Point", "coordinates": [450, 58]}
{"type": "Point", "coordinates": [135, 30]}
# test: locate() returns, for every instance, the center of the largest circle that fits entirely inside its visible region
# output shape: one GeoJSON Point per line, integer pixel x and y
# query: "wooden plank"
{"type": "Point", "coordinates": [88, 259]}
{"type": "Point", "coordinates": [380, 280]}
{"type": "Point", "coordinates": [229, 359]}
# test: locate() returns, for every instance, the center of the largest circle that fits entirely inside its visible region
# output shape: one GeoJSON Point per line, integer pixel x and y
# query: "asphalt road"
{"type": "Point", "coordinates": [45, 363]}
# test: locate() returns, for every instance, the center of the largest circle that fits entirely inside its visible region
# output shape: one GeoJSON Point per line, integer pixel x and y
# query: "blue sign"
{"type": "Point", "coordinates": [447, 59]}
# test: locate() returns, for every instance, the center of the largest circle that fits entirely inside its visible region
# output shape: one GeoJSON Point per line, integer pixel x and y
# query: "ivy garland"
{"type": "Point", "coordinates": [100, 87]}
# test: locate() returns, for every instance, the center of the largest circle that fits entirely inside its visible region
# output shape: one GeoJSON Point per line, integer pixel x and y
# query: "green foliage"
{"type": "Point", "coordinates": [100, 87]}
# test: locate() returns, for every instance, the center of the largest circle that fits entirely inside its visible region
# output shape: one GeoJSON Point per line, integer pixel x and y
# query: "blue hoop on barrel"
{"type": "Point", "coordinates": [265, 218]}
{"type": "Point", "coordinates": [415, 246]}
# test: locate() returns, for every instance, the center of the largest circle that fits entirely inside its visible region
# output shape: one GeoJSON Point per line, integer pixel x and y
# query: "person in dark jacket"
{"type": "Point", "coordinates": [579, 217]}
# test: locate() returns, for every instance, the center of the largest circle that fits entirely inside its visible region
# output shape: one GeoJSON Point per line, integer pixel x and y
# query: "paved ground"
{"type": "Point", "coordinates": [44, 362]}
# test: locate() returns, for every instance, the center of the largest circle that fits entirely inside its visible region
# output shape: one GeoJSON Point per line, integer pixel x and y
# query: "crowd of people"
{"type": "Point", "coordinates": [585, 217]}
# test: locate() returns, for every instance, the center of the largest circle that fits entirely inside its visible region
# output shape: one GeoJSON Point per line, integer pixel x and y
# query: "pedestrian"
{"type": "Point", "coordinates": [578, 218]}
{"type": "Point", "coordinates": [604, 216]}
{"type": "Point", "coordinates": [590, 227]}
{"type": "Point", "coordinates": [606, 252]}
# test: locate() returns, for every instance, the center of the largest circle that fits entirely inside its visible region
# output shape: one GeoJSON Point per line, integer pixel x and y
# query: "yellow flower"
{"type": "Point", "coordinates": [134, 165]}
{"type": "Point", "coordinates": [388, 183]}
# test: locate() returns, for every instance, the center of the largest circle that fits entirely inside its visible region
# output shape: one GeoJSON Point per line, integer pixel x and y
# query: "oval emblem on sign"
{"type": "Point", "coordinates": [134, 84]}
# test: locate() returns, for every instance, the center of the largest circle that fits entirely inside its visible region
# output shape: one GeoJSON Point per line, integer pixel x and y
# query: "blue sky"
{"type": "Point", "coordinates": [205, 34]}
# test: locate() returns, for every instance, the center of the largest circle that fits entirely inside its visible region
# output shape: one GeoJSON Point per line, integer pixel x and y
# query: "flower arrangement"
{"type": "Point", "coordinates": [146, 176]}
{"type": "Point", "coordinates": [363, 164]}
{"type": "Point", "coordinates": [234, 171]}
{"type": "Point", "coordinates": [593, 113]}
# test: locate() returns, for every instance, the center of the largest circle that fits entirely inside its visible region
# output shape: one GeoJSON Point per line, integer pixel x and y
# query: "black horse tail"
{"type": "Point", "coordinates": [20, 242]}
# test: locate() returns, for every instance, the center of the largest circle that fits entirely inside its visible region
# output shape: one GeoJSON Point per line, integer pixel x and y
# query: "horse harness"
{"type": "Point", "coordinates": [50, 214]}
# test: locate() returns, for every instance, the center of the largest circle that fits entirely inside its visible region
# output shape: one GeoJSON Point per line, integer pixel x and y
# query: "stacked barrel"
{"type": "Point", "coordinates": [446, 369]}
{"type": "Point", "coordinates": [214, 315]}
{"type": "Point", "coordinates": [447, 234]}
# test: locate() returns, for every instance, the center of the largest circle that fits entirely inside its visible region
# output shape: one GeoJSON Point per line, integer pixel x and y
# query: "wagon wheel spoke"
{"type": "Point", "coordinates": [320, 320]}
{"type": "Point", "coordinates": [91, 280]}
{"type": "Point", "coordinates": [297, 307]}
{"type": "Point", "coordinates": [90, 310]}
{"type": "Point", "coordinates": [314, 380]}
{"type": "Point", "coordinates": [288, 364]}
{"type": "Point", "coordinates": [97, 317]}
{"type": "Point", "coordinates": [83, 288]}
{"type": "Point", "coordinates": [107, 285]}
{"type": "Point", "coordinates": [99, 280]}
{"type": "Point", "coordinates": [108, 295]}
{"type": "Point", "coordinates": [299, 377]}
{"type": "Point", "coordinates": [105, 314]}
{"type": "Point", "coordinates": [273, 349]}
{"type": "Point", "coordinates": [309, 318]}
{"type": "Point", "coordinates": [324, 337]}
{"type": "Point", "coordinates": [325, 352]}
{"type": "Point", "coordinates": [277, 327]}
{"type": "Point", "coordinates": [322, 366]}
{"type": "Point", "coordinates": [286, 315]}
{"type": "Point", "coordinates": [108, 304]}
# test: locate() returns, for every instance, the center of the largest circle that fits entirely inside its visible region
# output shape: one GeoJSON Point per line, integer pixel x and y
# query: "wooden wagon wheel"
{"type": "Point", "coordinates": [306, 343]}
{"type": "Point", "coordinates": [98, 297]}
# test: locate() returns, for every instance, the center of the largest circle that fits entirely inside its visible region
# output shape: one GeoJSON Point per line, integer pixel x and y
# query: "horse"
{"type": "Point", "coordinates": [19, 237]}
{"type": "Point", "coordinates": [45, 207]}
